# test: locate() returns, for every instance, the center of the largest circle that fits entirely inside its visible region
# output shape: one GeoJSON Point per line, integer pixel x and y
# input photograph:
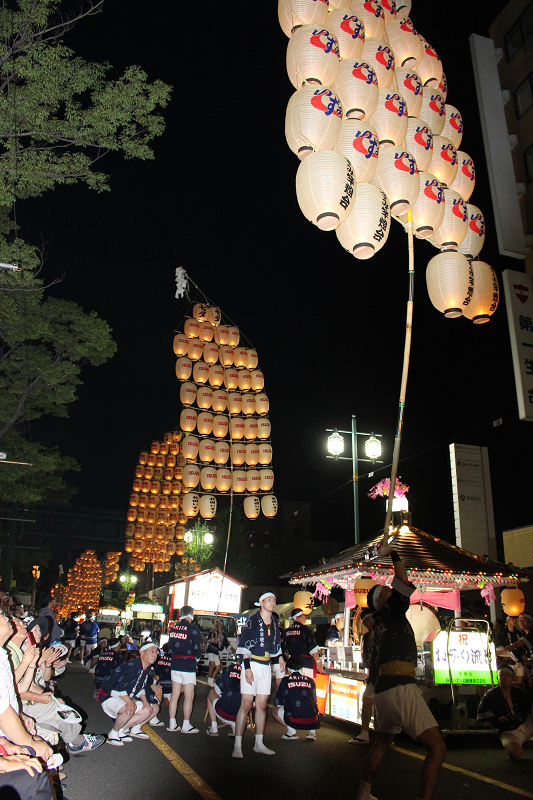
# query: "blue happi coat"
{"type": "Point", "coordinates": [252, 640]}
{"type": "Point", "coordinates": [129, 679]}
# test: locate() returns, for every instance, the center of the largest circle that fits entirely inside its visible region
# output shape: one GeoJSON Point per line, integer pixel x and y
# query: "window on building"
{"type": "Point", "coordinates": [523, 96]}
{"type": "Point", "coordinates": [252, 544]}
{"type": "Point", "coordinates": [528, 158]}
{"type": "Point", "coordinates": [521, 31]}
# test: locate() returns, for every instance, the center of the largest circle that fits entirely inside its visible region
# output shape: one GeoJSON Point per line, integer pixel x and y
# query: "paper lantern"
{"type": "Point", "coordinates": [220, 426]}
{"type": "Point", "coordinates": [221, 334]}
{"type": "Point", "coordinates": [199, 311]}
{"type": "Point", "coordinates": [258, 380]}
{"type": "Point", "coordinates": [237, 427]}
{"type": "Point", "coordinates": [410, 88]}
{"type": "Point", "coordinates": [129, 530]}
{"type": "Point", "coordinates": [216, 375]}
{"type": "Point", "coordinates": [208, 506]}
{"type": "Point", "coordinates": [190, 448]}
{"type": "Point", "coordinates": [261, 403]}
{"type": "Point", "coordinates": [128, 546]}
{"type": "Point", "coordinates": [183, 368]}
{"type": "Point", "coordinates": [403, 9]}
{"type": "Point", "coordinates": [210, 353]}
{"type": "Point", "coordinates": [419, 142]}
{"type": "Point", "coordinates": [223, 480]}
{"type": "Point", "coordinates": [206, 332]}
{"type": "Point", "coordinates": [145, 488]}
{"type": "Point", "coordinates": [444, 160]}
{"type": "Point", "coordinates": [231, 378]}
{"type": "Point", "coordinates": [453, 125]}
{"type": "Point", "coordinates": [252, 359]}
{"type": "Point", "coordinates": [321, 188]}
{"type": "Point", "coordinates": [379, 56]}
{"type": "Point", "coordinates": [389, 12]}
{"type": "Point", "coordinates": [238, 453]}
{"type": "Point", "coordinates": [367, 228]}
{"type": "Point", "coordinates": [174, 446]}
{"type": "Point", "coordinates": [430, 66]}
{"type": "Point", "coordinates": [143, 457]}
{"type": "Point", "coordinates": [486, 294]}
{"type": "Point", "coordinates": [191, 504]}
{"type": "Point", "coordinates": [192, 328]}
{"type": "Point", "coordinates": [154, 447]}
{"type": "Point", "coordinates": [390, 118]}
{"type": "Point", "coordinates": [136, 485]}
{"type": "Point", "coordinates": [371, 14]}
{"type": "Point", "coordinates": [180, 532]}
{"type": "Point", "coordinates": [405, 43]}
{"type": "Point", "coordinates": [206, 450]}
{"type": "Point", "coordinates": [234, 402]}
{"type": "Point", "coordinates": [214, 316]}
{"type": "Point", "coordinates": [454, 225]}
{"type": "Point", "coordinates": [180, 344]}
{"type": "Point", "coordinates": [269, 505]}
{"type": "Point", "coordinates": [450, 283]}
{"type": "Point", "coordinates": [432, 111]}
{"type": "Point", "coordinates": [171, 460]}
{"type": "Point", "coordinates": [226, 355]}
{"type": "Point", "coordinates": [475, 234]}
{"type": "Point", "coordinates": [239, 480]}
{"type": "Point", "coordinates": [312, 57]}
{"type": "Point", "coordinates": [253, 480]}
{"type": "Point", "coordinates": [312, 120]}
{"type": "Point", "coordinates": [180, 548]}
{"type": "Point", "coordinates": [252, 507]}
{"type": "Point", "coordinates": [204, 423]}
{"type": "Point", "coordinates": [240, 356]}
{"type": "Point", "coordinates": [292, 14]}
{"type": "Point", "coordinates": [200, 372]}
{"type": "Point", "coordinates": [234, 336]}
{"type": "Point", "coordinates": [195, 349]}
{"type": "Point", "coordinates": [252, 454]}
{"type": "Point", "coordinates": [442, 88]}
{"type": "Point", "coordinates": [208, 478]}
{"type": "Point", "coordinates": [265, 453]}
{"type": "Point", "coordinates": [204, 397]}
{"type": "Point", "coordinates": [131, 514]}
{"type": "Point", "coordinates": [134, 498]}
{"type": "Point", "coordinates": [176, 486]}
{"type": "Point", "coordinates": [397, 176]}
{"type": "Point", "coordinates": [512, 601]}
{"type": "Point", "coordinates": [188, 419]}
{"type": "Point", "coordinates": [220, 400]}
{"type": "Point", "coordinates": [358, 142]}
{"type": "Point", "coordinates": [221, 453]}
{"type": "Point", "coordinates": [166, 488]}
{"type": "Point", "coordinates": [159, 461]}
{"type": "Point", "coordinates": [263, 428]}
{"type": "Point", "coordinates": [187, 393]}
{"type": "Point", "coordinates": [251, 427]}
{"type": "Point", "coordinates": [357, 86]}
{"type": "Point", "coordinates": [151, 457]}
{"type": "Point", "coordinates": [245, 380]}
{"type": "Point", "coordinates": [155, 487]}
{"type": "Point", "coordinates": [248, 404]}
{"type": "Point", "coordinates": [428, 211]}
{"type": "Point", "coordinates": [465, 180]}
{"type": "Point", "coordinates": [349, 32]}
{"type": "Point", "coordinates": [361, 589]}
{"type": "Point", "coordinates": [267, 479]}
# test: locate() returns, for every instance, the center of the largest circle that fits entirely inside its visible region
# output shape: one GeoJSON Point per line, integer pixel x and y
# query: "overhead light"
{"type": "Point", "coordinates": [209, 538]}
{"type": "Point", "coordinates": [373, 448]}
{"type": "Point", "coordinates": [335, 444]}
{"type": "Point", "coordinates": [188, 537]}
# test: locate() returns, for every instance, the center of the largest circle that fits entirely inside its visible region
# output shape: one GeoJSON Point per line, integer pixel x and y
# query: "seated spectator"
{"type": "Point", "coordinates": [21, 775]}
{"type": "Point", "coordinates": [295, 702]}
{"type": "Point", "coordinates": [129, 643]}
{"type": "Point", "coordinates": [103, 664]}
{"type": "Point", "coordinates": [128, 698]}
{"type": "Point", "coordinates": [508, 709]}
{"type": "Point", "coordinates": [224, 699]}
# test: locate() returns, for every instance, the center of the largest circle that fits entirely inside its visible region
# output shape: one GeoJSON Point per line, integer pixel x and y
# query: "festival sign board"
{"type": "Point", "coordinates": [466, 653]}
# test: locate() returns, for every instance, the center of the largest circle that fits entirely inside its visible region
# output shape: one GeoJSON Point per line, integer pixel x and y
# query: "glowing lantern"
{"type": "Point", "coordinates": [234, 402]}
{"type": "Point", "coordinates": [180, 548]}
{"type": "Point", "coordinates": [253, 480]}
{"type": "Point", "coordinates": [403, 9]}
{"type": "Point", "coordinates": [206, 450]}
{"type": "Point", "coordinates": [349, 32]}
{"type": "Point", "coordinates": [449, 279]}
{"type": "Point", "coordinates": [204, 423]}
{"type": "Point", "coordinates": [321, 183]}
{"type": "Point", "coordinates": [176, 487]}
{"type": "Point", "coordinates": [166, 487]}
{"type": "Point", "coordinates": [187, 393]}
{"type": "Point", "coordinates": [263, 428]}
{"type": "Point", "coordinates": [200, 372]}
{"type": "Point", "coordinates": [221, 453]}
{"type": "Point", "coordinates": [226, 355]}
{"type": "Point", "coordinates": [419, 142]}
{"type": "Point", "coordinates": [371, 14]}
{"type": "Point", "coordinates": [513, 602]}
{"type": "Point", "coordinates": [142, 505]}
{"type": "Point", "coordinates": [171, 548]}
{"type": "Point", "coordinates": [359, 144]}
{"type": "Point", "coordinates": [239, 480]}
{"type": "Point", "coordinates": [208, 478]}
{"type": "Point", "coordinates": [145, 487]}
{"type": "Point", "coordinates": [134, 498]}
{"type": "Point", "coordinates": [171, 460]}
{"type": "Point", "coordinates": [137, 484]}
{"type": "Point", "coordinates": [192, 328]}
{"type": "Point", "coordinates": [486, 294]}
{"type": "Point", "coordinates": [245, 380]}
{"type": "Point", "coordinates": [361, 589]}
{"type": "Point", "coordinates": [397, 176]}
{"type": "Point", "coordinates": [191, 504]}
{"type": "Point", "coordinates": [312, 120]}
{"type": "Point", "coordinates": [240, 356]}
{"type": "Point", "coordinates": [292, 14]}
{"type": "Point", "coordinates": [453, 125]}
{"type": "Point", "coordinates": [223, 481]}
{"type": "Point", "coordinates": [257, 380]}
{"type": "Point", "coordinates": [465, 180]}
{"type": "Point", "coordinates": [269, 505]}
{"type": "Point", "coordinates": [454, 224]}
{"type": "Point", "coordinates": [210, 353]}
{"type": "Point", "coordinates": [174, 447]}
{"type": "Point", "coordinates": [180, 532]}
{"type": "Point", "coordinates": [131, 514]}
{"type": "Point", "coordinates": [389, 12]}
{"type": "Point", "coordinates": [180, 344]}
{"type": "Point", "coordinates": [261, 404]}
{"type": "Point", "coordinates": [252, 454]}
{"type": "Point", "coordinates": [204, 397]}
{"type": "Point", "coordinates": [216, 375]}
{"type": "Point", "coordinates": [220, 400]}
{"type": "Point", "coordinates": [238, 453]}
{"type": "Point", "coordinates": [267, 479]}
{"type": "Point", "coordinates": [406, 44]}
{"type": "Point", "coordinates": [390, 118]}
{"type": "Point", "coordinates": [208, 506]}
{"type": "Point", "coordinates": [159, 461]}
{"type": "Point", "coordinates": [432, 111]}
{"type": "Point", "coordinates": [214, 316]}
{"type": "Point", "coordinates": [379, 56]}
{"type": "Point", "coordinates": [444, 160]}
{"type": "Point", "coordinates": [430, 67]}
{"type": "Point", "coordinates": [222, 334]}
{"type": "Point", "coordinates": [155, 487]}
{"type": "Point", "coordinates": [237, 428]}
{"type": "Point", "coordinates": [190, 448]}
{"type": "Point", "coordinates": [428, 211]}
{"type": "Point", "coordinates": [234, 336]}
{"type": "Point", "coordinates": [143, 457]}
{"type": "Point", "coordinates": [231, 378]}
{"type": "Point", "coordinates": [312, 57]}
{"type": "Point", "coordinates": [151, 457]}
{"type": "Point", "coordinates": [154, 447]}
{"type": "Point", "coordinates": [252, 507]}
{"type": "Point", "coordinates": [129, 531]}
{"type": "Point", "coordinates": [199, 311]}
{"type": "Point", "coordinates": [188, 419]}
{"type": "Point", "coordinates": [220, 426]}
{"type": "Point", "coordinates": [410, 88]}
{"type": "Point", "coordinates": [252, 359]}
{"type": "Point", "coordinates": [248, 404]}
{"type": "Point", "coordinates": [475, 235]}
{"type": "Point", "coordinates": [363, 233]}
{"type": "Point", "coordinates": [357, 86]}
{"type": "Point", "coordinates": [265, 453]}
{"type": "Point", "coordinates": [206, 331]}
{"type": "Point", "coordinates": [129, 544]}
{"type": "Point", "coordinates": [251, 427]}
{"type": "Point", "coordinates": [195, 349]}
{"type": "Point", "coordinates": [183, 368]}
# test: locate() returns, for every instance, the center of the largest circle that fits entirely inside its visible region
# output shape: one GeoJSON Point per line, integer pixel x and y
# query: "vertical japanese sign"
{"type": "Point", "coordinates": [466, 653]}
{"type": "Point", "coordinates": [472, 499]}
{"type": "Point", "coordinates": [518, 288]}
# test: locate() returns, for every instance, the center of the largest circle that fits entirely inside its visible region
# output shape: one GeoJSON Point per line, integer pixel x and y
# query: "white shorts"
{"type": "Point", "coordinates": [403, 708]}
{"type": "Point", "coordinates": [520, 735]}
{"type": "Point", "coordinates": [213, 658]}
{"type": "Point", "coordinates": [183, 677]}
{"type": "Point", "coordinates": [262, 681]}
{"type": "Point", "coordinates": [113, 705]}
{"type": "Point", "coordinates": [369, 691]}
{"type": "Point", "coordinates": [70, 642]}
{"type": "Point", "coordinates": [89, 647]}
{"type": "Point", "coordinates": [276, 670]}
{"type": "Point", "coordinates": [280, 711]}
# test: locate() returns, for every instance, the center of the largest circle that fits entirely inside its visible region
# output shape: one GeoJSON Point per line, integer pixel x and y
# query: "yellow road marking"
{"type": "Point", "coordinates": [475, 775]}
{"type": "Point", "coordinates": [197, 783]}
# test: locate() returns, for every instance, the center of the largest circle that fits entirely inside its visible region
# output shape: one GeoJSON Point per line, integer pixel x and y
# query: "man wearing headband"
{"type": "Point", "coordinates": [128, 698]}
{"type": "Point", "coordinates": [259, 646]}
{"type": "Point", "coordinates": [398, 701]}
{"type": "Point", "coordinates": [300, 642]}
{"type": "Point", "coordinates": [295, 703]}
{"type": "Point", "coordinates": [334, 634]}
{"type": "Point", "coordinates": [185, 645]}
{"type": "Point", "coordinates": [508, 709]}
{"type": "Point", "coordinates": [109, 659]}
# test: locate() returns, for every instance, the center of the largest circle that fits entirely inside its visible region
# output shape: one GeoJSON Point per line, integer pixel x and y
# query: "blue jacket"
{"type": "Point", "coordinates": [129, 679]}
{"type": "Point", "coordinates": [185, 644]}
{"type": "Point", "coordinates": [297, 695]}
{"type": "Point", "coordinates": [252, 640]}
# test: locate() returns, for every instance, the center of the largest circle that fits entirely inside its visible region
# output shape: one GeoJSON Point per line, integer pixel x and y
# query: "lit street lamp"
{"type": "Point", "coordinates": [335, 446]}
{"type": "Point", "coordinates": [128, 580]}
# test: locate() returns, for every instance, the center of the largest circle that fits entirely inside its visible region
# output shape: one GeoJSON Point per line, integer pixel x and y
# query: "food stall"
{"type": "Point", "coordinates": [456, 661]}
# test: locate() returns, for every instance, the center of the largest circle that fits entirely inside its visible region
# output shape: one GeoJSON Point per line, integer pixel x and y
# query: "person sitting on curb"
{"type": "Point", "coordinates": [508, 708]}
{"type": "Point", "coordinates": [295, 702]}
{"type": "Point", "coordinates": [127, 697]}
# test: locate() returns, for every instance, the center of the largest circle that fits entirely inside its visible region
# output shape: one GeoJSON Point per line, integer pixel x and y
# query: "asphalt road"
{"type": "Point", "coordinates": [187, 767]}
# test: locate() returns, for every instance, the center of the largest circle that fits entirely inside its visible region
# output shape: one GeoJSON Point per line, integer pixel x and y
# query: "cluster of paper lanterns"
{"type": "Point", "coordinates": [84, 583]}
{"type": "Point", "coordinates": [376, 138]}
{"type": "Point", "coordinates": [110, 568]}
{"type": "Point", "coordinates": [225, 429]}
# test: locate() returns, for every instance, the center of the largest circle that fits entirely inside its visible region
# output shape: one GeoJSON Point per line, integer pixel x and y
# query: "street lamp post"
{"type": "Point", "coordinates": [372, 450]}
{"type": "Point", "coordinates": [207, 538]}
{"type": "Point", "coordinates": [128, 580]}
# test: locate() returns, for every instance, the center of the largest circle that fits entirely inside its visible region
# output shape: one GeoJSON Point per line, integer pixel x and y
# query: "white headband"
{"type": "Point", "coordinates": [338, 616]}
{"type": "Point", "coordinates": [147, 645]}
{"type": "Point", "coordinates": [264, 597]}
{"type": "Point", "coordinates": [376, 593]}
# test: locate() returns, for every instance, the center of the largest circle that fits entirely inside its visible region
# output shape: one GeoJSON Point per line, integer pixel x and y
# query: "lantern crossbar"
{"type": "Point", "coordinates": [348, 458]}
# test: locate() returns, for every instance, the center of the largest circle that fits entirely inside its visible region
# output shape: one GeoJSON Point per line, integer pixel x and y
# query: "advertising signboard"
{"type": "Point", "coordinates": [466, 653]}
{"type": "Point", "coordinates": [344, 698]}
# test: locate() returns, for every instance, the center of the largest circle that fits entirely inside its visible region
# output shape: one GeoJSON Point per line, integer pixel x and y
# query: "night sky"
{"type": "Point", "coordinates": [219, 200]}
